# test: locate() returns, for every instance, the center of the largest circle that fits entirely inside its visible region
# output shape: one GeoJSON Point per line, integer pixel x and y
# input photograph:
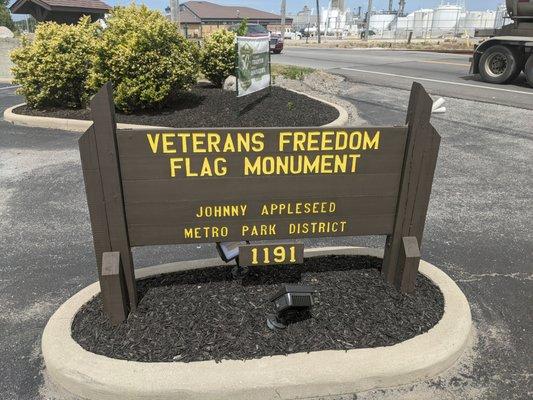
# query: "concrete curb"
{"type": "Point", "coordinates": [78, 125]}
{"type": "Point", "coordinates": [303, 375]}
{"type": "Point", "coordinates": [343, 114]}
{"type": "Point", "coordinates": [65, 124]}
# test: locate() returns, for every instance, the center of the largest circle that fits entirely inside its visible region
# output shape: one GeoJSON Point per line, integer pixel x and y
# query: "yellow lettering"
{"type": "Point", "coordinates": [258, 143]}
{"type": "Point", "coordinates": [229, 146]}
{"type": "Point", "coordinates": [175, 165]}
{"type": "Point", "coordinates": [183, 136]}
{"type": "Point", "coordinates": [371, 144]}
{"type": "Point", "coordinates": [355, 140]}
{"type": "Point", "coordinates": [283, 140]}
{"type": "Point", "coordinates": [220, 166]}
{"type": "Point", "coordinates": [153, 140]}
{"type": "Point", "coordinates": [198, 142]}
{"type": "Point", "coordinates": [213, 140]}
{"type": "Point", "coordinates": [252, 169]}
{"type": "Point", "coordinates": [167, 143]}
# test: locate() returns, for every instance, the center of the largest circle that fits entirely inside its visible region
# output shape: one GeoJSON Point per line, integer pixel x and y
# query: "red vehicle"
{"type": "Point", "coordinates": [257, 30]}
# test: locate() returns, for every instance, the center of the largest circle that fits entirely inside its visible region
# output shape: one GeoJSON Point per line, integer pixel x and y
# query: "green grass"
{"type": "Point", "coordinates": [291, 71]}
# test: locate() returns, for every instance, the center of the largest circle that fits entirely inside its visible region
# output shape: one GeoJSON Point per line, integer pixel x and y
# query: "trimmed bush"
{"type": "Point", "coordinates": [217, 57]}
{"type": "Point", "coordinates": [145, 57]}
{"type": "Point", "coordinates": [53, 68]}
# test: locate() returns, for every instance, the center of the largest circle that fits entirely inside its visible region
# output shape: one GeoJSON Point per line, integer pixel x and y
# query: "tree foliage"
{"type": "Point", "coordinates": [145, 57]}
{"type": "Point", "coordinates": [53, 68]}
{"type": "Point", "coordinates": [217, 57]}
{"type": "Point", "coordinates": [243, 27]}
{"type": "Point", "coordinates": [5, 16]}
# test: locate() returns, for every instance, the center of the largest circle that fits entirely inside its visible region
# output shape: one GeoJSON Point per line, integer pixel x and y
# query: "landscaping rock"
{"type": "Point", "coordinates": [230, 84]}
{"type": "Point", "coordinates": [5, 33]}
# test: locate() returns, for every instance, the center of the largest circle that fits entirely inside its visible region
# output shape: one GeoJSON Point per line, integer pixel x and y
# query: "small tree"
{"type": "Point", "coordinates": [217, 57]}
{"type": "Point", "coordinates": [145, 57]}
{"type": "Point", "coordinates": [5, 16]}
{"type": "Point", "coordinates": [243, 27]}
{"type": "Point", "coordinates": [52, 69]}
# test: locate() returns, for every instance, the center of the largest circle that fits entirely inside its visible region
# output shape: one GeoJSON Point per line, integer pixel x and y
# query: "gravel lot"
{"type": "Point", "coordinates": [479, 231]}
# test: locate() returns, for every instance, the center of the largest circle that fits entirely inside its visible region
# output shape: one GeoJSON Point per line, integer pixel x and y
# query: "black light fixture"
{"type": "Point", "coordinates": [230, 251]}
{"type": "Point", "coordinates": [292, 303]}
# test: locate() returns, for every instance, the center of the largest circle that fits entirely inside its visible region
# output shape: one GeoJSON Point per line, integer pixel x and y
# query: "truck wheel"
{"type": "Point", "coordinates": [528, 70]}
{"type": "Point", "coordinates": [499, 64]}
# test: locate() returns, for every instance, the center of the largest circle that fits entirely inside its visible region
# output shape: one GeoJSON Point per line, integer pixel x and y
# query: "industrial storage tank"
{"type": "Point", "coordinates": [446, 20]}
{"type": "Point", "coordinates": [422, 22]}
{"type": "Point", "coordinates": [476, 20]}
{"type": "Point", "coordinates": [401, 26]}
{"type": "Point", "coordinates": [381, 22]}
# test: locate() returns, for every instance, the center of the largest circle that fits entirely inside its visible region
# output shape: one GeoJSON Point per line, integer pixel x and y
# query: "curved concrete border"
{"type": "Point", "coordinates": [65, 124]}
{"type": "Point", "coordinates": [302, 375]}
{"type": "Point", "coordinates": [79, 125]}
{"type": "Point", "coordinates": [343, 114]}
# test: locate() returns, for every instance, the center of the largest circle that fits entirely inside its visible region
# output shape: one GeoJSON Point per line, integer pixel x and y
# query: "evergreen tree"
{"type": "Point", "coordinates": [5, 16]}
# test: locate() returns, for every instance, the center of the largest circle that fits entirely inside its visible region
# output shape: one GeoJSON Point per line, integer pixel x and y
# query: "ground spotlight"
{"type": "Point", "coordinates": [292, 303]}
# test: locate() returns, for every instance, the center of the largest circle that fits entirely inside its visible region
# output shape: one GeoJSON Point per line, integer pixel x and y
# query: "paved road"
{"type": "Point", "coordinates": [479, 231]}
{"type": "Point", "coordinates": [441, 74]}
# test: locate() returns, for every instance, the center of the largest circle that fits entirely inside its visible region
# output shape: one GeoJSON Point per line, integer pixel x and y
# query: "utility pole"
{"type": "Point", "coordinates": [368, 13]}
{"type": "Point", "coordinates": [401, 8]}
{"type": "Point", "coordinates": [175, 12]}
{"type": "Point", "coordinates": [390, 6]}
{"type": "Point", "coordinates": [318, 19]}
{"type": "Point", "coordinates": [283, 11]}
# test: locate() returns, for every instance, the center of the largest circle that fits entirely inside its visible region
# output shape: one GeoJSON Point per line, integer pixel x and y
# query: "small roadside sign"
{"type": "Point", "coordinates": [253, 64]}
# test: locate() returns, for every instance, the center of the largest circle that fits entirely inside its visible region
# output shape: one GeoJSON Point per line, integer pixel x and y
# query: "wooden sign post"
{"type": "Point", "coordinates": [173, 186]}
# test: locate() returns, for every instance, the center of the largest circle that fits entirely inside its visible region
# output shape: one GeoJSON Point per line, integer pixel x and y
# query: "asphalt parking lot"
{"type": "Point", "coordinates": [479, 231]}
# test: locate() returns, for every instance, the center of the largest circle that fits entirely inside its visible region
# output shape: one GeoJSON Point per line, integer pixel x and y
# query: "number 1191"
{"type": "Point", "coordinates": [273, 255]}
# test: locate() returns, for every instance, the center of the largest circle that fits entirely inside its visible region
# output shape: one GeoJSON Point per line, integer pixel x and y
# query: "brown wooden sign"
{"type": "Point", "coordinates": [207, 185]}
{"type": "Point", "coordinates": [171, 186]}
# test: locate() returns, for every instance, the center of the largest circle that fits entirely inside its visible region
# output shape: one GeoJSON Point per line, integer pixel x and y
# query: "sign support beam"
{"type": "Point", "coordinates": [417, 177]}
{"type": "Point", "coordinates": [101, 169]}
{"type": "Point", "coordinates": [113, 288]}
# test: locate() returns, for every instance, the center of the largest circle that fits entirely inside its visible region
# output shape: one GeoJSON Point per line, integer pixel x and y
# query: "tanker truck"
{"type": "Point", "coordinates": [502, 57]}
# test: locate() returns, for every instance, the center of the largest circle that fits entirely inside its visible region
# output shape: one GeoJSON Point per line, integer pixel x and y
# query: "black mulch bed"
{"type": "Point", "coordinates": [206, 315]}
{"type": "Point", "coordinates": [206, 106]}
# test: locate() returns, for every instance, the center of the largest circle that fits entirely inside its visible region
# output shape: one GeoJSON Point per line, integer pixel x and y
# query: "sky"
{"type": "Point", "coordinates": [297, 5]}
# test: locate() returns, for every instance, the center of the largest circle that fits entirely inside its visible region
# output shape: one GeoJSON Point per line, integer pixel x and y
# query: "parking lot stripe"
{"type": "Point", "coordinates": [416, 78]}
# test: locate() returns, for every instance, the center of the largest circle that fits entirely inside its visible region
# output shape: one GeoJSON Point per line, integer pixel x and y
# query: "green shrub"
{"type": "Point", "coordinates": [217, 57]}
{"type": "Point", "coordinates": [145, 57]}
{"type": "Point", "coordinates": [53, 68]}
{"type": "Point", "coordinates": [290, 71]}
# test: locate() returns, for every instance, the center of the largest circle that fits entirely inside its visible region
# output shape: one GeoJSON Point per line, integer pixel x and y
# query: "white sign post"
{"type": "Point", "coordinates": [253, 64]}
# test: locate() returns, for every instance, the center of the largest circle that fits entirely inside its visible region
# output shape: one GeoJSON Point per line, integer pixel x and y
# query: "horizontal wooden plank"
{"type": "Point", "coordinates": [159, 166]}
{"type": "Point", "coordinates": [277, 228]}
{"type": "Point", "coordinates": [184, 212]}
{"type": "Point", "coordinates": [135, 142]}
{"type": "Point", "coordinates": [248, 188]}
